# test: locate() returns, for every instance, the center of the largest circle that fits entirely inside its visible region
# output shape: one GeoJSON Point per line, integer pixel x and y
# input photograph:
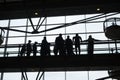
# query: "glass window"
{"type": "Point", "coordinates": [4, 23]}
{"type": "Point", "coordinates": [55, 20]}
{"type": "Point", "coordinates": [11, 76]}
{"type": "Point", "coordinates": [77, 75]}
{"type": "Point", "coordinates": [74, 18]}
{"type": "Point", "coordinates": [93, 75]}
{"type": "Point", "coordinates": [18, 22]}
{"type": "Point", "coordinates": [94, 27]}
{"type": "Point", "coordinates": [16, 40]}
{"type": "Point", "coordinates": [78, 28]}
{"type": "Point", "coordinates": [54, 76]}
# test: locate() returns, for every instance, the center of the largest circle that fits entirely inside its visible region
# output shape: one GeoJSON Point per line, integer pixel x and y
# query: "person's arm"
{"type": "Point", "coordinates": [81, 39]}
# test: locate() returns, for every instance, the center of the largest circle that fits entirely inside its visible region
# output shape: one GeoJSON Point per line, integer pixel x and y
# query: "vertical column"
{"type": "Point", "coordinates": [88, 75]}
{"type": "Point", "coordinates": [65, 27]}
{"type": "Point", "coordinates": [85, 27]}
{"type": "Point", "coordinates": [26, 31]}
{"type": "Point", "coordinates": [65, 75]}
{"type": "Point", "coordinates": [45, 26]}
{"type": "Point", "coordinates": [6, 43]}
{"type": "Point", "coordinates": [1, 77]}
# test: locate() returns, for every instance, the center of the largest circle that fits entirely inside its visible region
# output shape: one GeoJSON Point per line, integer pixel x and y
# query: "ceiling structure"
{"type": "Point", "coordinates": [15, 9]}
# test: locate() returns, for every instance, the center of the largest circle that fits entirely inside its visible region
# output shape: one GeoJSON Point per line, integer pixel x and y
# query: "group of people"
{"type": "Point", "coordinates": [29, 48]}
{"type": "Point", "coordinates": [61, 47]}
{"type": "Point", "coordinates": [65, 47]}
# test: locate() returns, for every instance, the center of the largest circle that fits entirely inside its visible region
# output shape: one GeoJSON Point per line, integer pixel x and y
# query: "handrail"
{"type": "Point", "coordinates": [97, 50]}
{"type": "Point", "coordinates": [52, 43]}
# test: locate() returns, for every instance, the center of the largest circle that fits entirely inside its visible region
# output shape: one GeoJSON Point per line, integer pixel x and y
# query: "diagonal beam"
{"type": "Point", "coordinates": [23, 76]}
{"type": "Point", "coordinates": [38, 23]}
{"type": "Point", "coordinates": [41, 23]}
{"type": "Point", "coordinates": [38, 75]}
{"type": "Point", "coordinates": [6, 28]}
{"type": "Point", "coordinates": [79, 21]}
{"type": "Point", "coordinates": [107, 77]}
{"type": "Point", "coordinates": [32, 24]}
{"type": "Point", "coordinates": [41, 75]}
{"type": "Point", "coordinates": [38, 78]}
{"type": "Point", "coordinates": [26, 76]}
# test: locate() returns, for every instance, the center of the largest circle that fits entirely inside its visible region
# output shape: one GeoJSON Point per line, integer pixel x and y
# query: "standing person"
{"type": "Point", "coordinates": [77, 41]}
{"type": "Point", "coordinates": [29, 48]}
{"type": "Point", "coordinates": [35, 49]}
{"type": "Point", "coordinates": [45, 50]}
{"type": "Point", "coordinates": [59, 45]}
{"type": "Point", "coordinates": [69, 46]}
{"type": "Point", "coordinates": [90, 47]}
{"type": "Point", "coordinates": [23, 50]}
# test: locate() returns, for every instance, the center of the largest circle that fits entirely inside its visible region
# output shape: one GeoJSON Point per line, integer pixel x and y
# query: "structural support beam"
{"type": "Point", "coordinates": [6, 28]}
{"type": "Point", "coordinates": [39, 76]}
{"type": "Point", "coordinates": [39, 25]}
{"type": "Point", "coordinates": [24, 75]}
{"type": "Point", "coordinates": [2, 74]}
{"type": "Point", "coordinates": [32, 24]}
{"type": "Point", "coordinates": [80, 21]}
{"type": "Point", "coordinates": [36, 28]}
{"type": "Point", "coordinates": [60, 63]}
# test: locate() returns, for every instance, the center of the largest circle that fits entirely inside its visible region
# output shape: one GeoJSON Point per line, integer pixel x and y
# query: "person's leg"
{"type": "Point", "coordinates": [76, 49]}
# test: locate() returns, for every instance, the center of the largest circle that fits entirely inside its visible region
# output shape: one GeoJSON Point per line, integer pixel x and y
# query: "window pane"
{"type": "Point", "coordinates": [55, 20]}
{"type": "Point", "coordinates": [54, 76]}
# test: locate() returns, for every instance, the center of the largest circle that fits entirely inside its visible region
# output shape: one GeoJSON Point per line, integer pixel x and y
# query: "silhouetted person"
{"type": "Point", "coordinates": [48, 49]}
{"type": "Point", "coordinates": [77, 41]}
{"type": "Point", "coordinates": [23, 50]}
{"type": "Point", "coordinates": [29, 48]}
{"type": "Point", "coordinates": [45, 47]}
{"type": "Point", "coordinates": [90, 47]}
{"type": "Point", "coordinates": [35, 49]}
{"type": "Point", "coordinates": [59, 45]}
{"type": "Point", "coordinates": [69, 46]}
{"type": "Point", "coordinates": [55, 50]}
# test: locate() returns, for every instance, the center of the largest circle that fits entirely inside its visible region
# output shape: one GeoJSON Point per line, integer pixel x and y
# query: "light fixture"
{"type": "Point", "coordinates": [36, 13]}
{"type": "Point", "coordinates": [98, 9]}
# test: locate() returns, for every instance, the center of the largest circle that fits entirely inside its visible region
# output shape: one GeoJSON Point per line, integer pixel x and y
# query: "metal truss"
{"type": "Point", "coordinates": [38, 77]}
{"type": "Point", "coordinates": [40, 22]}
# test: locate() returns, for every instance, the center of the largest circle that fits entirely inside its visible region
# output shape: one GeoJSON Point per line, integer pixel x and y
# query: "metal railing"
{"type": "Point", "coordinates": [100, 47]}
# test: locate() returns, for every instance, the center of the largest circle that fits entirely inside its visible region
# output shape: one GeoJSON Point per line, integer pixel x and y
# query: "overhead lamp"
{"type": "Point", "coordinates": [98, 9]}
{"type": "Point", "coordinates": [36, 13]}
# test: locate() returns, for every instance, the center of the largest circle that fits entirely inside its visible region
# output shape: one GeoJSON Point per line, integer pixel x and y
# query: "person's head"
{"type": "Point", "coordinates": [29, 41]}
{"type": "Point", "coordinates": [76, 34]}
{"type": "Point", "coordinates": [44, 38]}
{"type": "Point", "coordinates": [60, 35]}
{"type": "Point", "coordinates": [68, 37]}
{"type": "Point", "coordinates": [90, 36]}
{"type": "Point", "coordinates": [36, 42]}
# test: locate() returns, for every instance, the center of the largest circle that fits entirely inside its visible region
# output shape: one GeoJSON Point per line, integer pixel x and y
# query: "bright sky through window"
{"type": "Point", "coordinates": [93, 27]}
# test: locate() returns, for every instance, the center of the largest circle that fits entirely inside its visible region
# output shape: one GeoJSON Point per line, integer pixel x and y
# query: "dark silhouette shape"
{"type": "Point", "coordinates": [90, 47]}
{"type": "Point", "coordinates": [29, 48]}
{"type": "Point", "coordinates": [55, 50]}
{"type": "Point", "coordinates": [112, 50]}
{"type": "Point", "coordinates": [59, 45]}
{"type": "Point", "coordinates": [69, 46]}
{"type": "Point", "coordinates": [45, 47]}
{"type": "Point", "coordinates": [35, 49]}
{"type": "Point", "coordinates": [48, 49]}
{"type": "Point", "coordinates": [77, 41]}
{"type": "Point", "coordinates": [23, 50]}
